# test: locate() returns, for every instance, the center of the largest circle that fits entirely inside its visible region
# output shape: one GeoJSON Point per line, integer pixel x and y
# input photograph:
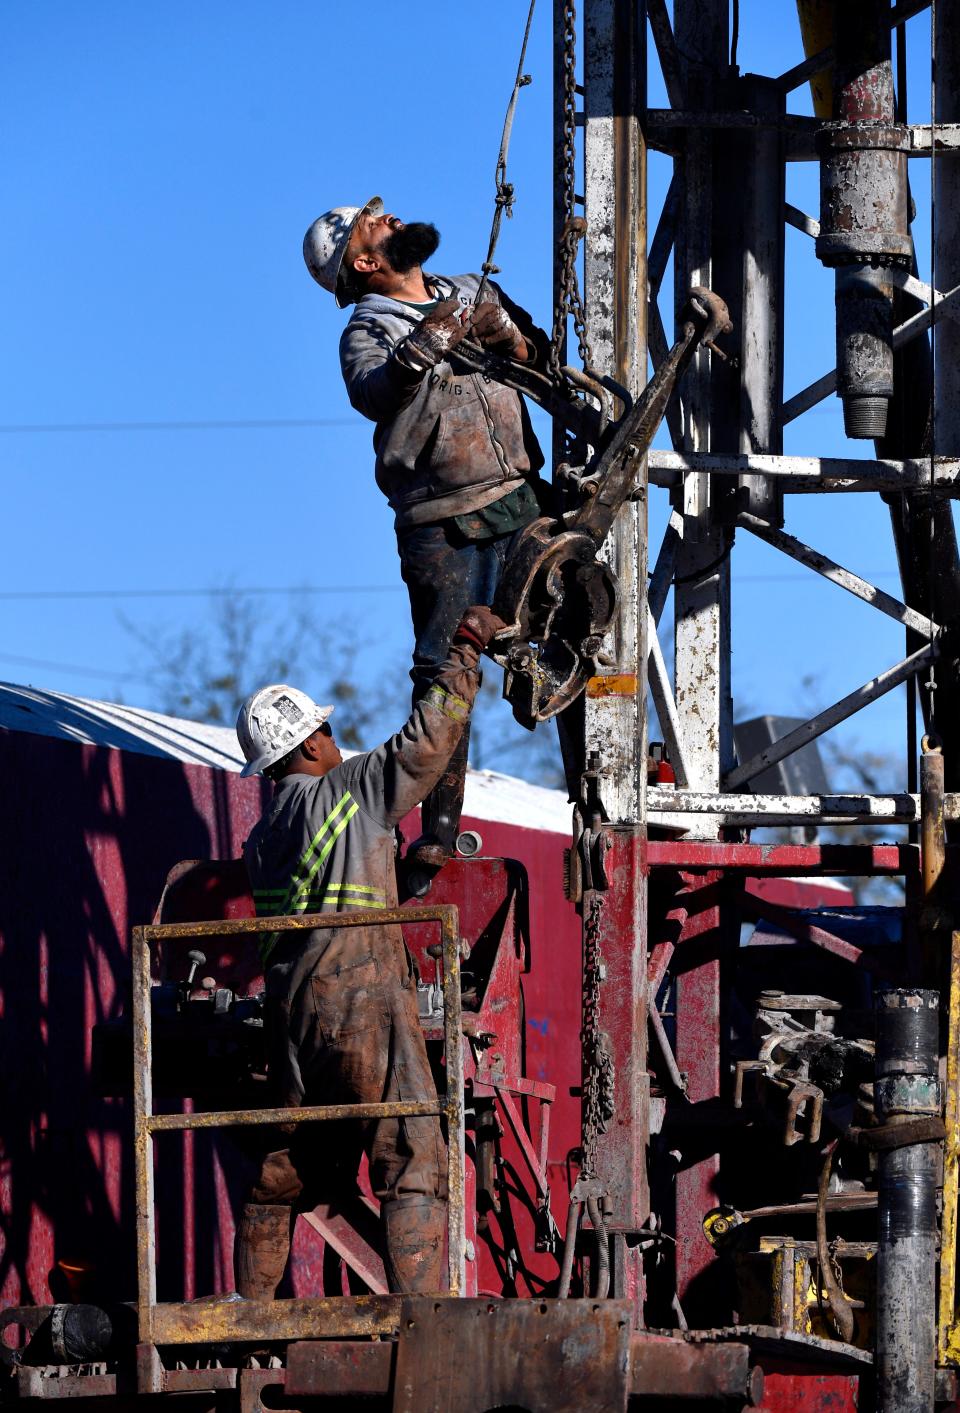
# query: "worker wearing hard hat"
{"type": "Point", "coordinates": [342, 1021]}
{"type": "Point", "coordinates": [455, 452]}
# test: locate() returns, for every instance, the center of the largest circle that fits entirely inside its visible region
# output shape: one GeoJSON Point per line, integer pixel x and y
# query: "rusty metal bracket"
{"type": "Point", "coordinates": [791, 1096]}
{"type": "Point", "coordinates": [467, 1356]}
{"type": "Point", "coordinates": [557, 599]}
{"type": "Point", "coordinates": [338, 1367]}
{"type": "Point", "coordinates": [898, 1135]}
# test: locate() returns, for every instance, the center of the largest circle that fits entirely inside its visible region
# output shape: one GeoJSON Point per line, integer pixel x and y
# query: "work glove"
{"type": "Point", "coordinates": [492, 326]}
{"type": "Point", "coordinates": [434, 338]}
{"type": "Point", "coordinates": [477, 626]}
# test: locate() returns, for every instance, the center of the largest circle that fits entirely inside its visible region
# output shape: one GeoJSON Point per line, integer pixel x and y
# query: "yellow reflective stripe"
{"type": "Point", "coordinates": [290, 902]}
{"type": "Point", "coordinates": [340, 827]}
{"type": "Point", "coordinates": [451, 705]}
{"type": "Point", "coordinates": [297, 884]}
{"type": "Point", "coordinates": [335, 887]}
{"type": "Point", "coordinates": [332, 895]}
{"type": "Point", "coordinates": [320, 833]}
{"type": "Point", "coordinates": [372, 897]}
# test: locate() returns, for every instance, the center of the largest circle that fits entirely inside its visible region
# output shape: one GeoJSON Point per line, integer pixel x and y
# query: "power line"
{"type": "Point", "coordinates": [118, 676]}
{"type": "Point", "coordinates": [76, 668]}
{"type": "Point", "coordinates": [206, 425]}
{"type": "Point", "coordinates": [290, 590]}
{"type": "Point", "coordinates": [209, 425]}
{"type": "Point", "coordinates": [228, 592]}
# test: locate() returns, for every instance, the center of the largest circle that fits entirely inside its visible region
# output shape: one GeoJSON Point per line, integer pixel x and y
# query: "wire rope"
{"type": "Point", "coordinates": [504, 198]}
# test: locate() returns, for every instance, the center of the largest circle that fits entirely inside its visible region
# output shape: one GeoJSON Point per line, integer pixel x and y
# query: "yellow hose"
{"type": "Point", "coordinates": [816, 29]}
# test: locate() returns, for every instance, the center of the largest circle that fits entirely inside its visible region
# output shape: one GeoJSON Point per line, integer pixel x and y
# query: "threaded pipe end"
{"type": "Point", "coordinates": [865, 418]}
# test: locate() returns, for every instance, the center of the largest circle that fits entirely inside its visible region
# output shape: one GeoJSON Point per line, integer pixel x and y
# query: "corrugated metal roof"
{"type": "Point", "coordinates": [126, 728]}
{"type": "Point", "coordinates": [489, 794]}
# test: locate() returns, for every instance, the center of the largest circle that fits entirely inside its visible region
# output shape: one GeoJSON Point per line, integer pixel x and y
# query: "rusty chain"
{"type": "Point", "coordinates": [597, 1054]}
{"type": "Point", "coordinates": [569, 300]}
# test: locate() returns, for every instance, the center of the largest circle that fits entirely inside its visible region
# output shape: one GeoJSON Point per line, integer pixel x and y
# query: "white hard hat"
{"type": "Point", "coordinates": [273, 722]}
{"type": "Point", "coordinates": [325, 243]}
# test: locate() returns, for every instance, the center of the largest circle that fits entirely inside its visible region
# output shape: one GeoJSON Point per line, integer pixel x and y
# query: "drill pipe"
{"type": "Point", "coordinates": [907, 1086]}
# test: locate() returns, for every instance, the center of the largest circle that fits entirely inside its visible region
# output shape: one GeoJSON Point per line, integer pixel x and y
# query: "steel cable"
{"type": "Point", "coordinates": [503, 201]}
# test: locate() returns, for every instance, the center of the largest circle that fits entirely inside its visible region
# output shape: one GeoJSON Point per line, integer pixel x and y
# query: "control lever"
{"type": "Point", "coordinates": [556, 597]}
{"type": "Point", "coordinates": [196, 959]}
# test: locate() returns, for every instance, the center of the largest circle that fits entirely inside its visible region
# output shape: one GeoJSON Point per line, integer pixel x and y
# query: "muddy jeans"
{"type": "Point", "coordinates": [350, 1031]}
{"type": "Point", "coordinates": [445, 574]}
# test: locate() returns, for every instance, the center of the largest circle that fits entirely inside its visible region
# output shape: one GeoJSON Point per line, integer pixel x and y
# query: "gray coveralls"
{"type": "Point", "coordinates": [342, 1020]}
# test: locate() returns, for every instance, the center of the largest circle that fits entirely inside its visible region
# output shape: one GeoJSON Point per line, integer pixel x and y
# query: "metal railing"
{"type": "Point", "coordinates": [186, 1323]}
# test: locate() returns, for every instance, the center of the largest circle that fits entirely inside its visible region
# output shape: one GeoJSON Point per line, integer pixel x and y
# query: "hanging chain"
{"type": "Point", "coordinates": [569, 301]}
{"type": "Point", "coordinates": [834, 1250]}
{"type": "Point", "coordinates": [598, 1076]}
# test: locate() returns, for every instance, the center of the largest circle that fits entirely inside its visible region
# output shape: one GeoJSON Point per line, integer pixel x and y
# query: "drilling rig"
{"type": "Point", "coordinates": [730, 1173]}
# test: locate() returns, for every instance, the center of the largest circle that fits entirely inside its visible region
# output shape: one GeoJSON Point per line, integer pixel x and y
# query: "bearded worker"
{"type": "Point", "coordinates": [341, 1016]}
{"type": "Point", "coordinates": [455, 452]}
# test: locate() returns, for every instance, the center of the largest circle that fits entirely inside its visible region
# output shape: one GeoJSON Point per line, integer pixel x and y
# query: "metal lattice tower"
{"type": "Point", "coordinates": [723, 224]}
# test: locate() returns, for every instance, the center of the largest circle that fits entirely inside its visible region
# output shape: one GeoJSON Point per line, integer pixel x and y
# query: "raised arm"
{"type": "Point", "coordinates": [393, 779]}
{"type": "Point", "coordinates": [383, 372]}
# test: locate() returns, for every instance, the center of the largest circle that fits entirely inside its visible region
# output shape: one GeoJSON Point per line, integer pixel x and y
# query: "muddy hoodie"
{"type": "Point", "coordinates": [326, 843]}
{"type": "Point", "coordinates": [451, 441]}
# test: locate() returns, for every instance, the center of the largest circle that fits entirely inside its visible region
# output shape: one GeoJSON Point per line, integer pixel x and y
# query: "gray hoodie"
{"type": "Point", "coordinates": [449, 441]}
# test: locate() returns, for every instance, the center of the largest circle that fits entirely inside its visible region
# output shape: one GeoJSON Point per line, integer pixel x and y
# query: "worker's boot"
{"type": "Point", "coordinates": [440, 823]}
{"type": "Point", "coordinates": [415, 1230]}
{"type": "Point", "coordinates": [262, 1249]}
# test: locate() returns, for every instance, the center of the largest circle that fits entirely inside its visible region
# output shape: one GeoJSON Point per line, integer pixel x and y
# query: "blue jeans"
{"type": "Point", "coordinates": [445, 574]}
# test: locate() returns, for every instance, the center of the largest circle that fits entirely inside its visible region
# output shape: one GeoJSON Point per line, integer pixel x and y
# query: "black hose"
{"type": "Point", "coordinates": [569, 1249]}
{"type": "Point", "coordinates": [602, 1284]}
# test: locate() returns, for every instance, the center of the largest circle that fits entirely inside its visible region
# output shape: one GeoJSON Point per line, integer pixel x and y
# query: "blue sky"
{"type": "Point", "coordinates": [162, 161]}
